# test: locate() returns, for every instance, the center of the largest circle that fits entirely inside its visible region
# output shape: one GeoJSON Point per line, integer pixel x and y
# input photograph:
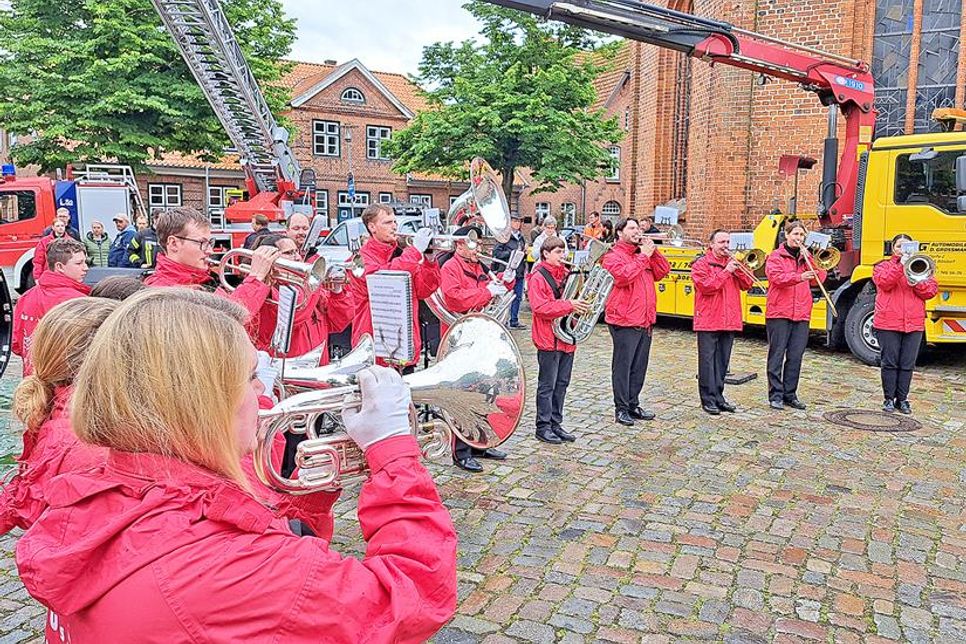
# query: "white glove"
{"type": "Point", "coordinates": [267, 373]}
{"type": "Point", "coordinates": [422, 238]}
{"type": "Point", "coordinates": [509, 276]}
{"type": "Point", "coordinates": [903, 258]}
{"type": "Point", "coordinates": [496, 289]}
{"type": "Point", "coordinates": [385, 407]}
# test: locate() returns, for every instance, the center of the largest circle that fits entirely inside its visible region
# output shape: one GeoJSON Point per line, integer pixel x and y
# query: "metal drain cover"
{"type": "Point", "coordinates": [872, 421]}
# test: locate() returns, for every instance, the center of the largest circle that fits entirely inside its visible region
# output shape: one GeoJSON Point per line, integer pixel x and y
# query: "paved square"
{"type": "Point", "coordinates": [760, 526]}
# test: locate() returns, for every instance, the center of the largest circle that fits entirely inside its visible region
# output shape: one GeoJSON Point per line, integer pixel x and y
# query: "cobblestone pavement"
{"type": "Point", "coordinates": [760, 526]}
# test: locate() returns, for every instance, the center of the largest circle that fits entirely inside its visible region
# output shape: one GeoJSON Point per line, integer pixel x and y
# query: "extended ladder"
{"type": "Point", "coordinates": [208, 45]}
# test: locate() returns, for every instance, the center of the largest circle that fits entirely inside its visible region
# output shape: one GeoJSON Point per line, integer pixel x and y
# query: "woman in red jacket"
{"type": "Point", "coordinates": [788, 309]}
{"type": "Point", "coordinates": [40, 402]}
{"type": "Point", "coordinates": [899, 322]}
{"type": "Point", "coordinates": [555, 358]}
{"type": "Point", "coordinates": [167, 541]}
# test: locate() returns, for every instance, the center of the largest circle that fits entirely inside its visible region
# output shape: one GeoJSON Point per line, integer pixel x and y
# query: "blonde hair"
{"type": "Point", "coordinates": [165, 374]}
{"type": "Point", "coordinates": [58, 347]}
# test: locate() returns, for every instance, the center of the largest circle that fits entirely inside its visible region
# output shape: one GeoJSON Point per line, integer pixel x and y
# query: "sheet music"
{"type": "Point", "coordinates": [391, 309]}
{"type": "Point", "coordinates": [282, 339]}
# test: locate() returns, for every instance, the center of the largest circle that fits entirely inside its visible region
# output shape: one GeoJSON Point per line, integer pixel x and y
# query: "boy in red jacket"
{"type": "Point", "coordinates": [900, 312]}
{"type": "Point", "coordinates": [555, 358]}
{"type": "Point", "coordinates": [718, 283]}
{"type": "Point", "coordinates": [631, 311]}
{"type": "Point", "coordinates": [63, 280]}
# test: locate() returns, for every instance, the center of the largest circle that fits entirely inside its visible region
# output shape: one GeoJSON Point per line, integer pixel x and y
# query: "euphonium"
{"type": "Point", "coordinates": [304, 276]}
{"type": "Point", "coordinates": [303, 373]}
{"type": "Point", "coordinates": [918, 268]}
{"type": "Point", "coordinates": [575, 328]}
{"type": "Point", "coordinates": [497, 308]}
{"type": "Point", "coordinates": [478, 383]}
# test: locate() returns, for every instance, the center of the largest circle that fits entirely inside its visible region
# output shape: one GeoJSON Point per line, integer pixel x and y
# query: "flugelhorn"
{"type": "Point", "coordinates": [478, 383]}
{"type": "Point", "coordinates": [337, 273]}
{"type": "Point", "coordinates": [918, 268]}
{"type": "Point", "coordinates": [306, 277]}
{"type": "Point", "coordinates": [445, 243]}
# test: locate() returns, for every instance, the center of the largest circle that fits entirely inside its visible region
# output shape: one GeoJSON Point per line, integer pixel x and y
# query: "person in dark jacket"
{"type": "Point", "coordinates": [63, 215]}
{"type": "Point", "coordinates": [260, 228]}
{"type": "Point", "coordinates": [143, 247]}
{"type": "Point", "coordinates": [503, 251]}
{"type": "Point", "coordinates": [119, 256]}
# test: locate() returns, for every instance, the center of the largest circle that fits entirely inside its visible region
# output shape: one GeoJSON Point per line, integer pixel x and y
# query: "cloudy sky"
{"type": "Point", "coordinates": [386, 35]}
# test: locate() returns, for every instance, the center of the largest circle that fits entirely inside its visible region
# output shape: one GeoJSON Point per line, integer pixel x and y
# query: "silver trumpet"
{"type": "Point", "coordinates": [918, 268]}
{"type": "Point", "coordinates": [306, 277]}
{"type": "Point", "coordinates": [478, 383]}
{"type": "Point", "coordinates": [337, 273]}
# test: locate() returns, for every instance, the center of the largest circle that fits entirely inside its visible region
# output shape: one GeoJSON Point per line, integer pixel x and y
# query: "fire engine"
{"type": "Point", "coordinates": [870, 192]}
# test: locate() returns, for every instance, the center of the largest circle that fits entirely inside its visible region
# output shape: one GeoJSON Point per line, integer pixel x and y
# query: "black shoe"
{"type": "Point", "coordinates": [493, 453]}
{"type": "Point", "coordinates": [519, 327]}
{"type": "Point", "coordinates": [727, 406]}
{"type": "Point", "coordinates": [888, 406]}
{"type": "Point", "coordinates": [711, 409]}
{"type": "Point", "coordinates": [469, 464]}
{"type": "Point", "coordinates": [548, 436]}
{"type": "Point", "coordinates": [776, 404]}
{"type": "Point", "coordinates": [624, 418]}
{"type": "Point", "coordinates": [795, 403]}
{"type": "Point", "coordinates": [564, 435]}
{"type": "Point", "coordinates": [904, 407]}
{"type": "Point", "coordinates": [641, 414]}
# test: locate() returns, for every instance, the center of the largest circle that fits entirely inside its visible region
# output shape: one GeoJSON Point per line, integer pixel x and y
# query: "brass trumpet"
{"type": "Point", "coordinates": [306, 277]}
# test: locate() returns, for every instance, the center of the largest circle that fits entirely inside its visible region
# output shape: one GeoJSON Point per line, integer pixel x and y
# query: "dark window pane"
{"type": "Point", "coordinates": [927, 182]}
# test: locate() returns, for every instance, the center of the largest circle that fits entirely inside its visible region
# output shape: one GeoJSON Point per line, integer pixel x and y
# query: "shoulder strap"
{"type": "Point", "coordinates": [551, 281]}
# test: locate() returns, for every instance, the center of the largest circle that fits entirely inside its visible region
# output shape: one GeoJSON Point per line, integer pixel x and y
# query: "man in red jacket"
{"type": "Point", "coordinates": [63, 280]}
{"type": "Point", "coordinates": [630, 313]}
{"type": "Point", "coordinates": [466, 286]}
{"type": "Point", "coordinates": [899, 322]}
{"type": "Point", "coordinates": [718, 282]}
{"type": "Point", "coordinates": [380, 252]}
{"type": "Point", "coordinates": [788, 309]}
{"type": "Point", "coordinates": [555, 358]}
{"type": "Point", "coordinates": [184, 235]}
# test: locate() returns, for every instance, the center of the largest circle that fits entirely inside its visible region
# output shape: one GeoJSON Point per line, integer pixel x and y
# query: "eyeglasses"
{"type": "Point", "coordinates": [203, 244]}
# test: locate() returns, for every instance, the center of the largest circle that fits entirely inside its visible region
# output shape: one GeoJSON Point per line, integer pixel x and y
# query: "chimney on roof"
{"type": "Point", "coordinates": [330, 62]}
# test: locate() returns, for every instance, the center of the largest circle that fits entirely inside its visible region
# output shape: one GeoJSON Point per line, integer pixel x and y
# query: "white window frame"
{"type": "Point", "coordinates": [322, 202]}
{"type": "Point", "coordinates": [615, 153]}
{"type": "Point", "coordinates": [426, 201]}
{"type": "Point", "coordinates": [452, 199]}
{"type": "Point", "coordinates": [375, 135]}
{"type": "Point", "coordinates": [326, 138]}
{"type": "Point", "coordinates": [348, 97]}
{"type": "Point", "coordinates": [610, 213]}
{"type": "Point", "coordinates": [362, 199]}
{"type": "Point", "coordinates": [163, 195]}
{"type": "Point", "coordinates": [385, 197]}
{"type": "Point", "coordinates": [541, 210]}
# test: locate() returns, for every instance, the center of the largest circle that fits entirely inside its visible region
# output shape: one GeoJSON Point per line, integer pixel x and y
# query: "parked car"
{"type": "Point", "coordinates": [335, 246]}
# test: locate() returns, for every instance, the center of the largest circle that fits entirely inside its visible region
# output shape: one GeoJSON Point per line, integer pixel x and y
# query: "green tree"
{"type": "Point", "coordinates": [97, 80]}
{"type": "Point", "coordinates": [521, 99]}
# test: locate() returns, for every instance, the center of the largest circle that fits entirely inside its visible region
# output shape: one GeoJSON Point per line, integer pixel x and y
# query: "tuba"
{"type": "Point", "coordinates": [306, 277]}
{"type": "Point", "coordinates": [918, 268]}
{"type": "Point", "coordinates": [478, 383]}
{"type": "Point", "coordinates": [482, 203]}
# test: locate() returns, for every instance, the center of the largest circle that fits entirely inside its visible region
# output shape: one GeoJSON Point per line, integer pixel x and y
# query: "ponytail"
{"type": "Point", "coordinates": [33, 401]}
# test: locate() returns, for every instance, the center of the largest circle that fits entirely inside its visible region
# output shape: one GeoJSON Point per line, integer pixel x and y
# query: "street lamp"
{"type": "Point", "coordinates": [352, 190]}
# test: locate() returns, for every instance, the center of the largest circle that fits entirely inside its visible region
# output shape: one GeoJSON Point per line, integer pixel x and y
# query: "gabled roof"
{"type": "Point", "coordinates": [305, 85]}
{"type": "Point", "coordinates": [610, 82]}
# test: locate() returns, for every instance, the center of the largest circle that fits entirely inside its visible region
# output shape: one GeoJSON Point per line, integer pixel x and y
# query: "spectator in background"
{"type": "Point", "coordinates": [117, 287]}
{"type": "Point", "coordinates": [549, 229]}
{"type": "Point", "coordinates": [64, 215]}
{"type": "Point", "coordinates": [536, 230]}
{"type": "Point", "coordinates": [118, 256]}
{"type": "Point", "coordinates": [57, 231]}
{"type": "Point", "coordinates": [648, 227]}
{"type": "Point", "coordinates": [594, 228]}
{"type": "Point", "coordinates": [503, 251]}
{"type": "Point", "coordinates": [260, 227]}
{"type": "Point", "coordinates": [608, 233]}
{"type": "Point", "coordinates": [297, 229]}
{"type": "Point", "coordinates": [143, 247]}
{"type": "Point", "coordinates": [63, 280]}
{"type": "Point", "coordinates": [98, 245]}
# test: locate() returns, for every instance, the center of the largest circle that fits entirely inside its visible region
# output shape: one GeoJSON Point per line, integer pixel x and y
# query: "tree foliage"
{"type": "Point", "coordinates": [98, 80]}
{"type": "Point", "coordinates": [521, 99]}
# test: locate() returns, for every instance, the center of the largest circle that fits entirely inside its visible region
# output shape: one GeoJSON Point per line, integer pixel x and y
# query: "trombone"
{"type": "Point", "coordinates": [749, 260]}
{"type": "Point", "coordinates": [306, 277]}
{"type": "Point", "coordinates": [826, 259]}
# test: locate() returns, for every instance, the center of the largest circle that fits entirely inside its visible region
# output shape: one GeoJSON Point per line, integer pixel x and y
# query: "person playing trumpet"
{"type": "Point", "coordinates": [631, 312]}
{"type": "Point", "coordinates": [186, 548]}
{"type": "Point", "coordinates": [184, 235]}
{"type": "Point", "coordinates": [899, 322]}
{"type": "Point", "coordinates": [788, 310]}
{"type": "Point", "coordinates": [718, 283]}
{"type": "Point", "coordinates": [466, 286]}
{"type": "Point", "coordinates": [555, 358]}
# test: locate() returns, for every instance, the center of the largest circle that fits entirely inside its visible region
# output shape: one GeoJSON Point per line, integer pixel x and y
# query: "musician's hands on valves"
{"type": "Point", "coordinates": [384, 411]}
{"type": "Point", "coordinates": [581, 307]}
{"type": "Point", "coordinates": [262, 260]}
{"type": "Point", "coordinates": [496, 289]}
{"type": "Point", "coordinates": [266, 372]}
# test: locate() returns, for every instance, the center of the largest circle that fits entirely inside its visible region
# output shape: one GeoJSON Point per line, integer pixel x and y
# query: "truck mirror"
{"type": "Point", "coordinates": [925, 154]}
{"type": "Point", "coordinates": [961, 175]}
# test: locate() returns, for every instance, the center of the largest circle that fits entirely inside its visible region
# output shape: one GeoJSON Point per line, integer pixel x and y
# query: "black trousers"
{"type": "Point", "coordinates": [786, 346]}
{"type": "Point", "coordinates": [553, 378]}
{"type": "Point", "coordinates": [899, 353]}
{"type": "Point", "coordinates": [628, 365]}
{"type": "Point", "coordinates": [714, 354]}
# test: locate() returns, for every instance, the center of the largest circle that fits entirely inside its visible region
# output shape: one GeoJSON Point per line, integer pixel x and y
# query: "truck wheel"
{"type": "Point", "coordinates": [859, 333]}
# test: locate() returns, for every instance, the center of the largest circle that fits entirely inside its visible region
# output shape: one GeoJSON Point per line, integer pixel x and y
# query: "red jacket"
{"type": "Point", "coordinates": [49, 450]}
{"type": "Point", "coordinates": [378, 256]}
{"type": "Point", "coordinates": [40, 255]}
{"type": "Point", "coordinates": [151, 549]}
{"type": "Point", "coordinates": [633, 301]}
{"type": "Point", "coordinates": [717, 294]}
{"type": "Point", "coordinates": [325, 313]}
{"type": "Point", "coordinates": [788, 296]}
{"type": "Point", "coordinates": [52, 288]}
{"type": "Point", "coordinates": [463, 285]}
{"type": "Point", "coordinates": [899, 306]}
{"type": "Point", "coordinates": [546, 308]}
{"type": "Point", "coordinates": [251, 293]}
